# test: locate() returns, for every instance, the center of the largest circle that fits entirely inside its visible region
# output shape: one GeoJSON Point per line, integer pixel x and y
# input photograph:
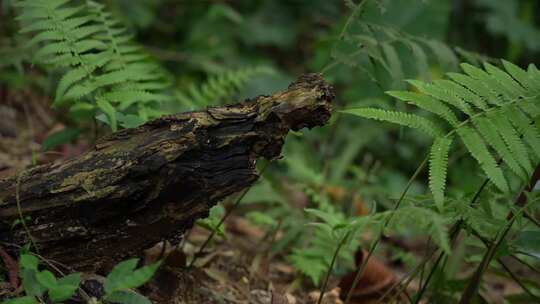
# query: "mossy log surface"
{"type": "Point", "coordinates": [139, 186]}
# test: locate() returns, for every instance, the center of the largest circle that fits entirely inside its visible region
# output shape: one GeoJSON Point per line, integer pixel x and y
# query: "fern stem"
{"type": "Point", "coordinates": [356, 11]}
{"type": "Point", "coordinates": [472, 288]}
{"type": "Point", "coordinates": [428, 279]}
{"type": "Point", "coordinates": [222, 220]}
{"type": "Point", "coordinates": [334, 258]}
{"type": "Point", "coordinates": [381, 231]}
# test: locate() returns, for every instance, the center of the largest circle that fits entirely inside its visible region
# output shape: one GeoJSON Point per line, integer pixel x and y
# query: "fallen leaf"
{"type": "Point", "coordinates": [330, 297]}
{"type": "Point", "coordinates": [278, 298]}
{"type": "Point", "coordinates": [374, 282]}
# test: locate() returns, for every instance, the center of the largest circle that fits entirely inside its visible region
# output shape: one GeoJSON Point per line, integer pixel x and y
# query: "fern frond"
{"type": "Point", "coordinates": [401, 118]}
{"type": "Point", "coordinates": [511, 137]}
{"type": "Point", "coordinates": [489, 132]}
{"type": "Point", "coordinates": [494, 113]}
{"type": "Point", "coordinates": [421, 219]}
{"type": "Point", "coordinates": [492, 88]}
{"type": "Point", "coordinates": [526, 127]}
{"type": "Point", "coordinates": [440, 92]}
{"type": "Point", "coordinates": [476, 146]}
{"type": "Point", "coordinates": [521, 76]}
{"type": "Point", "coordinates": [512, 88]}
{"type": "Point", "coordinates": [438, 163]}
{"type": "Point", "coordinates": [477, 87]}
{"type": "Point", "coordinates": [462, 93]}
{"type": "Point", "coordinates": [219, 87]}
{"type": "Point", "coordinates": [427, 103]}
{"type": "Point", "coordinates": [97, 55]}
{"type": "Point", "coordinates": [380, 45]}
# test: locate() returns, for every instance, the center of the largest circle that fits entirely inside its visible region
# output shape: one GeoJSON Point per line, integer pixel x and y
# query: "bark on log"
{"type": "Point", "coordinates": [139, 186]}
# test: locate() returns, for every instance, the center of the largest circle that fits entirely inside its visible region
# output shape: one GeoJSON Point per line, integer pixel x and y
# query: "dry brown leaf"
{"type": "Point", "coordinates": [375, 280]}
{"type": "Point", "coordinates": [278, 298]}
{"type": "Point", "coordinates": [330, 297]}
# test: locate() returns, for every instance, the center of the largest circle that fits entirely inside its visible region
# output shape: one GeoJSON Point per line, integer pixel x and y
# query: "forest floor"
{"type": "Point", "coordinates": [237, 268]}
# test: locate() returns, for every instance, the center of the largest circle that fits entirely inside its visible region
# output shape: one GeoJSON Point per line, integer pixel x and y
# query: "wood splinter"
{"type": "Point", "coordinates": [139, 186]}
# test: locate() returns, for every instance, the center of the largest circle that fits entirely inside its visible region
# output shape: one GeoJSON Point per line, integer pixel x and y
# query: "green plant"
{"type": "Point", "coordinates": [40, 285]}
{"type": "Point", "coordinates": [333, 242]}
{"type": "Point", "coordinates": [104, 72]}
{"type": "Point", "coordinates": [212, 222]}
{"type": "Point", "coordinates": [126, 276]}
{"type": "Point", "coordinates": [495, 108]}
{"type": "Point", "coordinates": [218, 87]}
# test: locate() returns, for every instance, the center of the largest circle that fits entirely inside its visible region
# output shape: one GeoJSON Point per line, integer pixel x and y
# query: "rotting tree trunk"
{"type": "Point", "coordinates": [139, 186]}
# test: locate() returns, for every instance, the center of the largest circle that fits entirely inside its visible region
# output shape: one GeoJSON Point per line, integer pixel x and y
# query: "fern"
{"type": "Point", "coordinates": [103, 69]}
{"type": "Point", "coordinates": [219, 87]}
{"type": "Point", "coordinates": [381, 45]}
{"type": "Point", "coordinates": [492, 111]}
{"type": "Point", "coordinates": [420, 219]}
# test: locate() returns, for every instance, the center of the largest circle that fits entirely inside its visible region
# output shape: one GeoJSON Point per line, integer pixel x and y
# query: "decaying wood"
{"type": "Point", "coordinates": [139, 186]}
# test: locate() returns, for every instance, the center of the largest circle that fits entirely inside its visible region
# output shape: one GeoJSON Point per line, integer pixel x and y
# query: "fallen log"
{"type": "Point", "coordinates": [139, 186]}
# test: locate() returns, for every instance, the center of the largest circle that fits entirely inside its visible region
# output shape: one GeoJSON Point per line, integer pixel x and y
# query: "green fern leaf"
{"type": "Point", "coordinates": [521, 76]}
{"type": "Point", "coordinates": [394, 64]}
{"type": "Point", "coordinates": [127, 98]}
{"type": "Point", "coordinates": [52, 49]}
{"type": "Point", "coordinates": [105, 106]}
{"type": "Point", "coordinates": [505, 80]}
{"type": "Point", "coordinates": [511, 137]}
{"type": "Point", "coordinates": [440, 92]}
{"type": "Point", "coordinates": [498, 93]}
{"type": "Point", "coordinates": [477, 87]}
{"type": "Point", "coordinates": [489, 132]}
{"type": "Point", "coordinates": [438, 164]}
{"type": "Point", "coordinates": [65, 13]}
{"type": "Point", "coordinates": [401, 118]}
{"type": "Point", "coordinates": [427, 103]}
{"type": "Point", "coordinates": [444, 54]}
{"type": "Point", "coordinates": [89, 44]}
{"type": "Point", "coordinates": [44, 36]}
{"type": "Point", "coordinates": [534, 75]}
{"type": "Point", "coordinates": [85, 31]}
{"type": "Point", "coordinates": [462, 93]}
{"type": "Point", "coordinates": [78, 74]}
{"type": "Point", "coordinates": [527, 128]}
{"type": "Point", "coordinates": [480, 152]}
{"type": "Point", "coordinates": [421, 59]}
{"type": "Point", "coordinates": [75, 22]}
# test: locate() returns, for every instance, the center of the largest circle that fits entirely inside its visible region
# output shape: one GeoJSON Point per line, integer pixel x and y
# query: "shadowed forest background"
{"type": "Point", "coordinates": [445, 215]}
